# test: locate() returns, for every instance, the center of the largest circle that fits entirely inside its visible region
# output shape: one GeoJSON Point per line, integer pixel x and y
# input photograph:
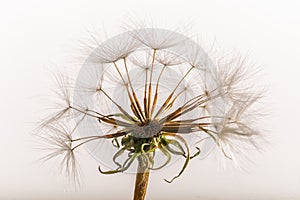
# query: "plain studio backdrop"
{"type": "Point", "coordinates": [38, 36]}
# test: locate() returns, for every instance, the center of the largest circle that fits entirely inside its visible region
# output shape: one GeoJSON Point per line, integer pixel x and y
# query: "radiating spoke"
{"type": "Point", "coordinates": [166, 103]}
{"type": "Point", "coordinates": [133, 104]}
{"type": "Point", "coordinates": [136, 100]}
{"type": "Point", "coordinates": [92, 138]}
{"type": "Point", "coordinates": [119, 107]}
{"type": "Point", "coordinates": [156, 89]}
{"type": "Point", "coordinates": [149, 106]}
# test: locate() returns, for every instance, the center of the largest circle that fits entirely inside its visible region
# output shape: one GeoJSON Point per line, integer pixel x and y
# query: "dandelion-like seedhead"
{"type": "Point", "coordinates": [148, 97]}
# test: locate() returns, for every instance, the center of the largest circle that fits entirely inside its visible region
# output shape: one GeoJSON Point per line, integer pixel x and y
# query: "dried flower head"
{"type": "Point", "coordinates": [149, 96]}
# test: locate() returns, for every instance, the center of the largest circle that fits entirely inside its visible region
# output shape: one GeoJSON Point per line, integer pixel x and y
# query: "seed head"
{"type": "Point", "coordinates": [146, 94]}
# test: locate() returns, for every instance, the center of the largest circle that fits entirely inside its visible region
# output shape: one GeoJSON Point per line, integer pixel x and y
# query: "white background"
{"type": "Point", "coordinates": [38, 35]}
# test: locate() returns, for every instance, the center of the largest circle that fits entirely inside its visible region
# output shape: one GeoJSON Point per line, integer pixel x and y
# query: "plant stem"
{"type": "Point", "coordinates": [141, 181]}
